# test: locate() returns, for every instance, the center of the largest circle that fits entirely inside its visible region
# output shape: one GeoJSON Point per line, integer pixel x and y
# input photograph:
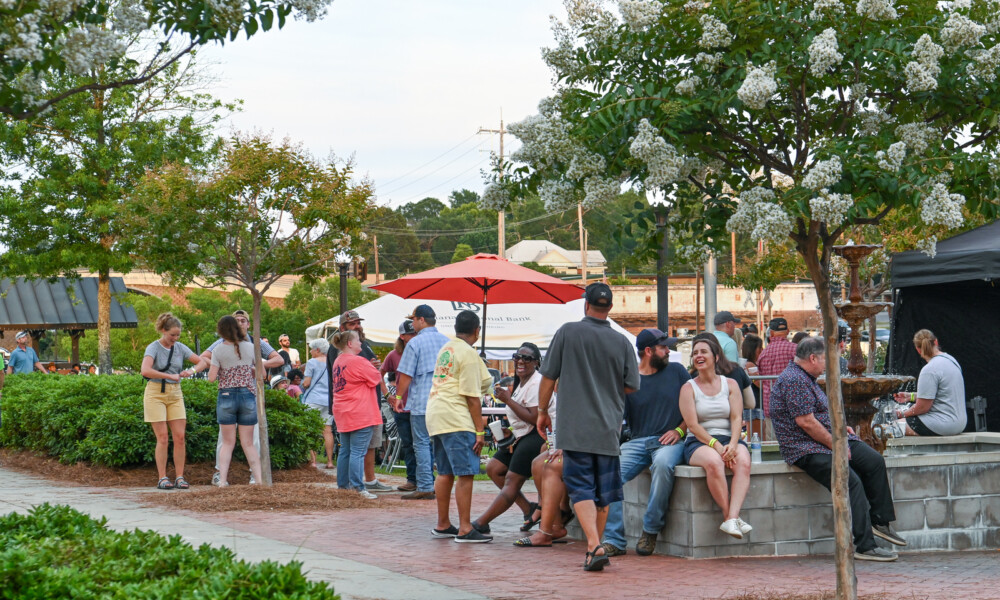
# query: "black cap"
{"type": "Point", "coordinates": [423, 311]}
{"type": "Point", "coordinates": [406, 327]}
{"type": "Point", "coordinates": [598, 294]}
{"type": "Point", "coordinates": [725, 316]}
{"type": "Point", "coordinates": [653, 337]}
{"type": "Point", "coordinates": [778, 324]}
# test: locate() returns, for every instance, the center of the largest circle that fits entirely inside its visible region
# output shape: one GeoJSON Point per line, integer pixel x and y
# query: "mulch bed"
{"type": "Point", "coordinates": [831, 595]}
{"type": "Point", "coordinates": [285, 497]}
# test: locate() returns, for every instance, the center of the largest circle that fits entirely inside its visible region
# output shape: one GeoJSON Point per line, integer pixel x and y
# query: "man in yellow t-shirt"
{"type": "Point", "coordinates": [454, 416]}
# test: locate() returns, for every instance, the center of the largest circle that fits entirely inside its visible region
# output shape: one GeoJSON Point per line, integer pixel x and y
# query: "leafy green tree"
{"type": "Point", "coordinates": [65, 37]}
{"type": "Point", "coordinates": [463, 196]}
{"type": "Point", "coordinates": [462, 252]}
{"type": "Point", "coordinates": [417, 212]}
{"type": "Point", "coordinates": [794, 122]}
{"type": "Point", "coordinates": [399, 247]}
{"type": "Point", "coordinates": [72, 168]}
{"type": "Point", "coordinates": [261, 212]}
{"type": "Point", "coordinates": [321, 300]}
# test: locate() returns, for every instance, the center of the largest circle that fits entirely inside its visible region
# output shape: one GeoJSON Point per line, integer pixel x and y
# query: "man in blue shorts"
{"type": "Point", "coordinates": [595, 367]}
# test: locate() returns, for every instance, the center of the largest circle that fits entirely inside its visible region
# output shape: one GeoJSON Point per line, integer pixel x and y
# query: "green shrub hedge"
{"type": "Point", "coordinates": [58, 552]}
{"type": "Point", "coordinates": [98, 419]}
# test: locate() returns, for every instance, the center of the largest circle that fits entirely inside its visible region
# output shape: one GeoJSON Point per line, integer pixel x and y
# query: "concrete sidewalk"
{"type": "Point", "coordinates": [350, 579]}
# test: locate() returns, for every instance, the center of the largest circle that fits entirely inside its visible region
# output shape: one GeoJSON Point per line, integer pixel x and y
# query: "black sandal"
{"type": "Point", "coordinates": [567, 516]}
{"type": "Point", "coordinates": [164, 484]}
{"type": "Point", "coordinates": [530, 522]}
{"type": "Point", "coordinates": [596, 562]}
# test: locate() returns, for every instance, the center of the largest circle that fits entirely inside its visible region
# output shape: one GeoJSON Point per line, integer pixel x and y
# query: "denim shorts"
{"type": "Point", "coordinates": [236, 406]}
{"type": "Point", "coordinates": [596, 477]}
{"type": "Point", "coordinates": [453, 453]}
{"type": "Point", "coordinates": [692, 443]}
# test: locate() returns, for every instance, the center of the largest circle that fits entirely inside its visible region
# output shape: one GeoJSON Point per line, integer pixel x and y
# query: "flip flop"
{"type": "Point", "coordinates": [525, 542]}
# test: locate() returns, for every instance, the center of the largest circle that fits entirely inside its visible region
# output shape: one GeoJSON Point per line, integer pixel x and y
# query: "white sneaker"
{"type": "Point", "coordinates": [745, 527]}
{"type": "Point", "coordinates": [367, 495]}
{"type": "Point", "coordinates": [252, 480]}
{"type": "Point", "coordinates": [732, 527]}
{"type": "Point", "coordinates": [216, 478]}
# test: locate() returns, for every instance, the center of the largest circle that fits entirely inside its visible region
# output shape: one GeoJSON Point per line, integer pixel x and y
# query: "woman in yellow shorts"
{"type": "Point", "coordinates": [163, 404]}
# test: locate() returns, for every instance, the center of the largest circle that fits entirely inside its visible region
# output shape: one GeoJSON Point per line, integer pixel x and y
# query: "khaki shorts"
{"type": "Point", "coordinates": [376, 441]}
{"type": "Point", "coordinates": [160, 406]}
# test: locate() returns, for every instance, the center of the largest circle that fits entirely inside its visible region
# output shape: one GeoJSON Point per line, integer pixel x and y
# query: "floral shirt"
{"type": "Point", "coordinates": [795, 393]}
{"type": "Point", "coordinates": [235, 371]}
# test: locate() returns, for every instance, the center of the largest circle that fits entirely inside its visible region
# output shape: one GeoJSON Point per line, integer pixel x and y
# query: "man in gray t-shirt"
{"type": "Point", "coordinates": [595, 367]}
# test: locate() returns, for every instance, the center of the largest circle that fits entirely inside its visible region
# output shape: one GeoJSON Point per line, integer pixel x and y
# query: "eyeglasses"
{"type": "Point", "coordinates": [523, 357]}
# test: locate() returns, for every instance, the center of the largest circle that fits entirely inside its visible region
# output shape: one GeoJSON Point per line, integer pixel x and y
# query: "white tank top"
{"type": "Point", "coordinates": [713, 411]}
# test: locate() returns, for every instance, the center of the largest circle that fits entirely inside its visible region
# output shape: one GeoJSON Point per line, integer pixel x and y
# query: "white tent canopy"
{"type": "Point", "coordinates": [507, 327]}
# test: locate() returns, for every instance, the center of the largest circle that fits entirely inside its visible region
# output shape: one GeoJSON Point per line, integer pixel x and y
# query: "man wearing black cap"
{"type": "Point", "coordinates": [595, 367]}
{"type": "Point", "coordinates": [725, 325]}
{"type": "Point", "coordinates": [654, 417]}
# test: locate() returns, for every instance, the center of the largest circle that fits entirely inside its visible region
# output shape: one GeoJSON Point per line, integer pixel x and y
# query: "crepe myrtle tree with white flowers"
{"type": "Point", "coordinates": [795, 119]}
{"type": "Point", "coordinates": [262, 211]}
{"type": "Point", "coordinates": [77, 37]}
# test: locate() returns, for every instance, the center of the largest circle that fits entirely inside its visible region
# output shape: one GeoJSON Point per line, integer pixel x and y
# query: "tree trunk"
{"type": "Point", "coordinates": [104, 322]}
{"type": "Point", "coordinates": [847, 582]}
{"type": "Point", "coordinates": [265, 447]}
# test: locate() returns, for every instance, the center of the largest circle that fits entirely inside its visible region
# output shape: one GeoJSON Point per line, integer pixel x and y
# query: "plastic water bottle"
{"type": "Point", "coordinates": [551, 435]}
{"type": "Point", "coordinates": [755, 448]}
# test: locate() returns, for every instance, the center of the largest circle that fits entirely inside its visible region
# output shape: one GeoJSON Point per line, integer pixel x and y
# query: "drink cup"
{"type": "Point", "coordinates": [496, 427]}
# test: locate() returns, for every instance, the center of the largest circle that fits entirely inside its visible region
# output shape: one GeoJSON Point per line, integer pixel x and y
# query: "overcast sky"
{"type": "Point", "coordinates": [402, 85]}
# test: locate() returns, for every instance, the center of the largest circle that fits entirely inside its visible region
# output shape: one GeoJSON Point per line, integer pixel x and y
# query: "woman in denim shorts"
{"type": "Point", "coordinates": [232, 365]}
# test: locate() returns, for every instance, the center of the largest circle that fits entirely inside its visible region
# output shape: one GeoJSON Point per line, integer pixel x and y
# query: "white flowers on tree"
{"type": "Point", "coordinates": [709, 62]}
{"type": "Point", "coordinates": [822, 8]}
{"type": "Point", "coordinates": [928, 245]}
{"type": "Point", "coordinates": [663, 163]}
{"type": "Point", "coordinates": [640, 14]}
{"type": "Point", "coordinates": [714, 33]}
{"type": "Point", "coordinates": [688, 86]}
{"type": "Point", "coordinates": [824, 174]}
{"type": "Point", "coordinates": [759, 215]}
{"type": "Point", "coordinates": [939, 207]}
{"type": "Point", "coordinates": [823, 53]}
{"type": "Point", "coordinates": [959, 31]}
{"type": "Point", "coordinates": [830, 208]}
{"type": "Point", "coordinates": [759, 86]}
{"type": "Point", "coordinates": [921, 74]}
{"type": "Point", "coordinates": [893, 159]}
{"type": "Point", "coordinates": [877, 10]}
{"type": "Point", "coordinates": [918, 136]}
{"type": "Point", "coordinates": [986, 64]}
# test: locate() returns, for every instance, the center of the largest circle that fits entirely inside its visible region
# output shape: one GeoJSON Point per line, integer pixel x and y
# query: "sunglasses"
{"type": "Point", "coordinates": [523, 357]}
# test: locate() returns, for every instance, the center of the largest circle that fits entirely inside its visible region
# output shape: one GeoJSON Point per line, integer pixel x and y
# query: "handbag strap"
{"type": "Point", "coordinates": [170, 356]}
{"type": "Point", "coordinates": [312, 385]}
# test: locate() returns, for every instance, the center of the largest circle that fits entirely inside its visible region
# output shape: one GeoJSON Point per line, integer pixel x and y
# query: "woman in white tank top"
{"type": "Point", "coordinates": [712, 407]}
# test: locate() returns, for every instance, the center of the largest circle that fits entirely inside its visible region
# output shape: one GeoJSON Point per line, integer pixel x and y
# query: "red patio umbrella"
{"type": "Point", "coordinates": [487, 278]}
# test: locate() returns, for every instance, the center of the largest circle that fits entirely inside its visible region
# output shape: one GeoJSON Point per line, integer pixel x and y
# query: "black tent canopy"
{"type": "Point", "coordinates": [956, 295]}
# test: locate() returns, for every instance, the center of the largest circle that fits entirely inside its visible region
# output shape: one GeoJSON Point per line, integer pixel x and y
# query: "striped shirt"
{"type": "Point", "coordinates": [418, 361]}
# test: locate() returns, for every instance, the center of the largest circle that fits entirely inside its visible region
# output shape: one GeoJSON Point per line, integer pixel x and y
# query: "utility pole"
{"type": "Point", "coordinates": [501, 234]}
{"type": "Point", "coordinates": [583, 244]}
{"type": "Point", "coordinates": [375, 244]}
{"type": "Point", "coordinates": [711, 281]}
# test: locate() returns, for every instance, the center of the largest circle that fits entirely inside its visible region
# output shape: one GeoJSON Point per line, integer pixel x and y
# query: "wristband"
{"type": "Point", "coordinates": [911, 396]}
{"type": "Point", "coordinates": [479, 433]}
{"type": "Point", "coordinates": [397, 397]}
{"type": "Point", "coordinates": [679, 431]}
{"type": "Point", "coordinates": [711, 442]}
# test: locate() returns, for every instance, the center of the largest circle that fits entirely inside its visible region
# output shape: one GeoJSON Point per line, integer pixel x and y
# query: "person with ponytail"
{"type": "Point", "coordinates": [939, 402]}
{"type": "Point", "coordinates": [163, 404]}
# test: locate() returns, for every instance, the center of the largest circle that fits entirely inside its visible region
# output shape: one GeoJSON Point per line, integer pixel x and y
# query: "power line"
{"type": "Point", "coordinates": [443, 183]}
{"type": "Point", "coordinates": [394, 179]}
{"type": "Point", "coordinates": [425, 176]}
{"type": "Point", "coordinates": [446, 232]}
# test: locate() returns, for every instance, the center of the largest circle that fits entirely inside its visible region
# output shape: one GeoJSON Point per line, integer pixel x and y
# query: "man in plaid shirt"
{"type": "Point", "coordinates": [774, 359]}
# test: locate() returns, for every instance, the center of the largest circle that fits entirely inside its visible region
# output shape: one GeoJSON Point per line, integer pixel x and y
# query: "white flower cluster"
{"type": "Point", "coordinates": [688, 87]}
{"type": "Point", "coordinates": [921, 74]}
{"type": "Point", "coordinates": [582, 12]}
{"type": "Point", "coordinates": [759, 86]}
{"type": "Point", "coordinates": [562, 58]}
{"type": "Point", "coordinates": [545, 141]}
{"type": "Point", "coordinates": [985, 63]}
{"type": "Point", "coordinates": [994, 168]}
{"type": "Point", "coordinates": [893, 159]}
{"type": "Point", "coordinates": [130, 17]}
{"type": "Point", "coordinates": [89, 46]}
{"type": "Point", "coordinates": [859, 90]}
{"type": "Point", "coordinates": [959, 31]}
{"type": "Point", "coordinates": [310, 10]}
{"type": "Point", "coordinates": [832, 7]}
{"type": "Point", "coordinates": [24, 42]}
{"type": "Point", "coordinates": [758, 214]}
{"type": "Point", "coordinates": [598, 190]}
{"type": "Point", "coordinates": [558, 193]}
{"type": "Point", "coordinates": [693, 253]}
{"type": "Point", "coordinates": [583, 164]}
{"type": "Point", "coordinates": [823, 174]}
{"type": "Point", "coordinates": [877, 10]}
{"type": "Point", "coordinates": [707, 61]}
{"type": "Point", "coordinates": [226, 14]}
{"type": "Point", "coordinates": [918, 136]}
{"type": "Point", "coordinates": [938, 207]}
{"type": "Point", "coordinates": [663, 163]}
{"type": "Point", "coordinates": [714, 33]}
{"type": "Point", "coordinates": [693, 6]}
{"type": "Point", "coordinates": [830, 208]}
{"type": "Point", "coordinates": [495, 197]}
{"type": "Point", "coordinates": [640, 14]}
{"type": "Point", "coordinates": [823, 52]}
{"type": "Point", "coordinates": [928, 245]}
{"type": "Point", "coordinates": [961, 4]}
{"type": "Point", "coordinates": [872, 120]}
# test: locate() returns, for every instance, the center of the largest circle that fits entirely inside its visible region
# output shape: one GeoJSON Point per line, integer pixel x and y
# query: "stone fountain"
{"type": "Point", "coordinates": [859, 390]}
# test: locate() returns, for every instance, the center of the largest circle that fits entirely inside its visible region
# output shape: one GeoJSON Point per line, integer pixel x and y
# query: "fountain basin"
{"type": "Point", "coordinates": [946, 493]}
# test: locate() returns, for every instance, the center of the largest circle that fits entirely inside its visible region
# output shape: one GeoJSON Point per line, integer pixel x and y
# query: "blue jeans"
{"type": "Point", "coordinates": [422, 452]}
{"type": "Point", "coordinates": [637, 455]}
{"type": "Point", "coordinates": [351, 461]}
{"type": "Point", "coordinates": [406, 441]}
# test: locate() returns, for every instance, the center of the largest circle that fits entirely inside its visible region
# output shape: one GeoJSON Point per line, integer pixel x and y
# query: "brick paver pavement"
{"type": "Point", "coordinates": [397, 538]}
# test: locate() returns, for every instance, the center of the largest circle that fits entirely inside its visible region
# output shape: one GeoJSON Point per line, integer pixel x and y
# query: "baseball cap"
{"type": "Point", "coordinates": [277, 379]}
{"type": "Point", "coordinates": [653, 337]}
{"type": "Point", "coordinates": [598, 294]}
{"type": "Point", "coordinates": [406, 327]}
{"type": "Point", "coordinates": [778, 324]}
{"type": "Point", "coordinates": [20, 334]}
{"type": "Point", "coordinates": [423, 311]}
{"type": "Point", "coordinates": [241, 313]}
{"type": "Point", "coordinates": [725, 316]}
{"type": "Point", "coordinates": [351, 315]}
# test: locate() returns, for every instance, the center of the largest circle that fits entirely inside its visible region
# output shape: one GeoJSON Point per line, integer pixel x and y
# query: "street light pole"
{"type": "Point", "coordinates": [662, 277]}
{"type": "Point", "coordinates": [343, 286]}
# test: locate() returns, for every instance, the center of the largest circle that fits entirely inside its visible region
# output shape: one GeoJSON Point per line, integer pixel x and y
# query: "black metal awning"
{"type": "Point", "coordinates": [60, 304]}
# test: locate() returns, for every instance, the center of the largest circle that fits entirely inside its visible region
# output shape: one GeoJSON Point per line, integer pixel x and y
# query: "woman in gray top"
{"type": "Point", "coordinates": [940, 395]}
{"type": "Point", "coordinates": [163, 404]}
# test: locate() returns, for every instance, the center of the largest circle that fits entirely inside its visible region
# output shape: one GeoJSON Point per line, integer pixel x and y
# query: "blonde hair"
{"type": "Point", "coordinates": [167, 321]}
{"type": "Point", "coordinates": [924, 341]}
{"type": "Point", "coordinates": [342, 338]}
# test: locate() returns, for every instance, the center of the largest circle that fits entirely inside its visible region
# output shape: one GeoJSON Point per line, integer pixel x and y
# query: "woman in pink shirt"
{"type": "Point", "coordinates": [355, 409]}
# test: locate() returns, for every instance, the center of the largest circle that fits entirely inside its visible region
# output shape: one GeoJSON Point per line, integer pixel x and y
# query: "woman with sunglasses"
{"type": "Point", "coordinates": [510, 467]}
